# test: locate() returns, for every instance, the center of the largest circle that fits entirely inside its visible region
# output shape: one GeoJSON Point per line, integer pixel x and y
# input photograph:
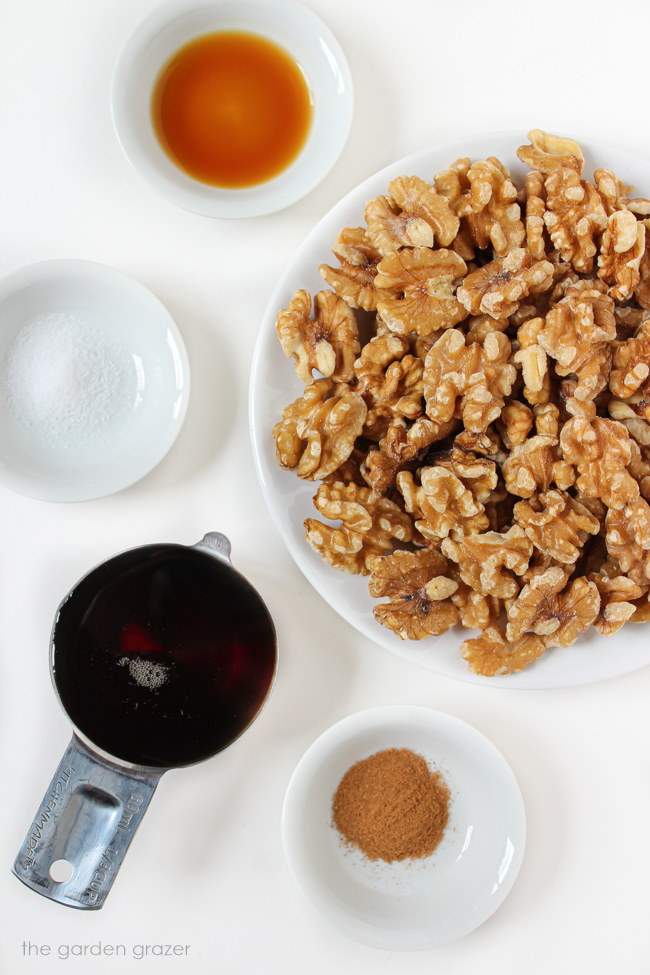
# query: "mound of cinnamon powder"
{"type": "Point", "coordinates": [392, 806]}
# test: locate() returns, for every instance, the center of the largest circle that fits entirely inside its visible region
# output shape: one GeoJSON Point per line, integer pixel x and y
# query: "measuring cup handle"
{"type": "Point", "coordinates": [87, 819]}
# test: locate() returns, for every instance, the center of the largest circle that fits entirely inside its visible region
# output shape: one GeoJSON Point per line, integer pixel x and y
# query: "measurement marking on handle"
{"type": "Point", "coordinates": [48, 808]}
{"type": "Point", "coordinates": [131, 807]}
{"type": "Point", "coordinates": [101, 873]}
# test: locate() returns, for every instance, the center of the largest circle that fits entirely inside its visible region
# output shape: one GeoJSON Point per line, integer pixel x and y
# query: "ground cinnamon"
{"type": "Point", "coordinates": [392, 806]}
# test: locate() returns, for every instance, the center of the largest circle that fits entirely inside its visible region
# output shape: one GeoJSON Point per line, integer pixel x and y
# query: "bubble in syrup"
{"type": "Point", "coordinates": [146, 673]}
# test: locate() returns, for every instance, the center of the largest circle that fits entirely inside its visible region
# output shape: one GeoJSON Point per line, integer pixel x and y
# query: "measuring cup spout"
{"type": "Point", "coordinates": [83, 828]}
{"type": "Point", "coordinates": [216, 544]}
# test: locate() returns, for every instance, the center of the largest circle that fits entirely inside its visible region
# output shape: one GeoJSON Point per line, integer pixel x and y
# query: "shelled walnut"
{"type": "Point", "coordinates": [370, 523]}
{"type": "Point", "coordinates": [482, 425]}
{"type": "Point", "coordinates": [418, 586]}
{"type": "Point", "coordinates": [419, 287]}
{"type": "Point", "coordinates": [328, 342]}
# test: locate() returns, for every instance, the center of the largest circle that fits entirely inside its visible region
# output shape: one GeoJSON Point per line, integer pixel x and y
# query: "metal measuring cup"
{"type": "Point", "coordinates": [98, 795]}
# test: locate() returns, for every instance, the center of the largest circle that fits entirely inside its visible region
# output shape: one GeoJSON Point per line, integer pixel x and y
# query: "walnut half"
{"type": "Point", "coordinates": [328, 342]}
{"type": "Point", "coordinates": [497, 288]}
{"type": "Point", "coordinates": [370, 525]}
{"type": "Point", "coordinates": [418, 586]}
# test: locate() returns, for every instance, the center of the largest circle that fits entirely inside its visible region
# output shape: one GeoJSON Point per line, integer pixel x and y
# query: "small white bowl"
{"type": "Point", "coordinates": [134, 336]}
{"type": "Point", "coordinates": [412, 904]}
{"type": "Point", "coordinates": [290, 25]}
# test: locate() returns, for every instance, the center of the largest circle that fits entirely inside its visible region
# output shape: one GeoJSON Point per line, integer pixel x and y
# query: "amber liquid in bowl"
{"type": "Point", "coordinates": [232, 109]}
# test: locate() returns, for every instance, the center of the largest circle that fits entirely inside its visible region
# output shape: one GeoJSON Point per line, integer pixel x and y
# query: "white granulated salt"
{"type": "Point", "coordinates": [67, 384]}
{"type": "Point", "coordinates": [146, 673]}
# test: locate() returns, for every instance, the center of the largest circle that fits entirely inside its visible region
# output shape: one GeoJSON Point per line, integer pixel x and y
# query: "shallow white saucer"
{"type": "Point", "coordinates": [293, 27]}
{"type": "Point", "coordinates": [412, 904]}
{"type": "Point", "coordinates": [125, 317]}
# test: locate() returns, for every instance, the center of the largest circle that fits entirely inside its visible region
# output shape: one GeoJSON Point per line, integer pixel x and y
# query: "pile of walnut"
{"type": "Point", "coordinates": [482, 425]}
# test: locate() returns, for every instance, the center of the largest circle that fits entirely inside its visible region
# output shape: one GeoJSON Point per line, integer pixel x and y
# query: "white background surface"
{"type": "Point", "coordinates": [207, 867]}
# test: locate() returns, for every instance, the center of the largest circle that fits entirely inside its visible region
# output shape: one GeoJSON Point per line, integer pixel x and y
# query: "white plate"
{"type": "Point", "coordinates": [292, 26]}
{"type": "Point", "coordinates": [411, 904]}
{"type": "Point", "coordinates": [123, 317]}
{"type": "Point", "coordinates": [274, 385]}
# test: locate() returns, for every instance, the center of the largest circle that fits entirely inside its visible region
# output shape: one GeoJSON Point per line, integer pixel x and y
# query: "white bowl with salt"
{"type": "Point", "coordinates": [94, 380]}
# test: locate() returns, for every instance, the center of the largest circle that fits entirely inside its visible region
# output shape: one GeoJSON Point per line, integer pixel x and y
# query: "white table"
{"type": "Point", "coordinates": [207, 869]}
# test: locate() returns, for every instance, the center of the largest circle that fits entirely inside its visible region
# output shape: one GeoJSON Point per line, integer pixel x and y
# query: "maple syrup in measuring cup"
{"type": "Point", "coordinates": [162, 656]}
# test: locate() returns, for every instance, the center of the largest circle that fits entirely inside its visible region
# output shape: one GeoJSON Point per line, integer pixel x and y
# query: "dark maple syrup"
{"type": "Point", "coordinates": [163, 655]}
{"type": "Point", "coordinates": [232, 109]}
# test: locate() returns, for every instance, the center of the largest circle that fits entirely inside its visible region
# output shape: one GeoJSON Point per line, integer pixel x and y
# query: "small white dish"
{"type": "Point", "coordinates": [412, 904]}
{"type": "Point", "coordinates": [290, 25]}
{"type": "Point", "coordinates": [128, 362]}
